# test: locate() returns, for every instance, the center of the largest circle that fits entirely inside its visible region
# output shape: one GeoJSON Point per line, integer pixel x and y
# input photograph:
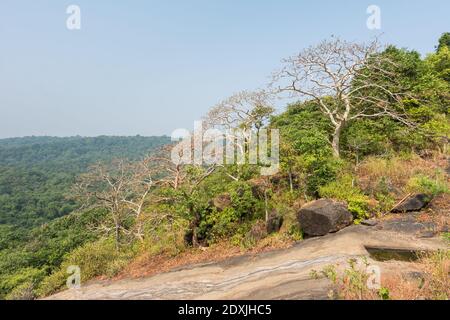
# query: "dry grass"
{"type": "Point", "coordinates": [438, 212]}
{"type": "Point", "coordinates": [396, 171]}
{"type": "Point", "coordinates": [430, 280]}
{"type": "Point", "coordinates": [434, 283]}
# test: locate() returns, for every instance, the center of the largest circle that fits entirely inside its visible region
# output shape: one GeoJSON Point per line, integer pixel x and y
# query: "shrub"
{"type": "Point", "coordinates": [21, 284]}
{"type": "Point", "coordinates": [242, 199]}
{"type": "Point", "coordinates": [94, 259]}
{"type": "Point", "coordinates": [52, 283]}
{"type": "Point", "coordinates": [344, 189]}
{"type": "Point", "coordinates": [424, 184]}
{"type": "Point", "coordinates": [219, 224]}
{"type": "Point", "coordinates": [352, 282]}
{"type": "Point", "coordinates": [295, 232]}
{"type": "Point", "coordinates": [320, 172]}
{"type": "Point", "coordinates": [446, 236]}
{"type": "Point", "coordinates": [24, 291]}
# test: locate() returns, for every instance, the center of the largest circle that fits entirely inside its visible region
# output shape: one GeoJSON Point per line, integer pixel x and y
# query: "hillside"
{"type": "Point", "coordinates": [363, 139]}
{"type": "Point", "coordinates": [37, 172]}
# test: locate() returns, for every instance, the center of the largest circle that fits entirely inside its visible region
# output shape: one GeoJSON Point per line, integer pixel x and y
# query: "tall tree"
{"type": "Point", "coordinates": [337, 75]}
{"type": "Point", "coordinates": [245, 110]}
{"type": "Point", "coordinates": [240, 119]}
{"type": "Point", "coordinates": [444, 41]}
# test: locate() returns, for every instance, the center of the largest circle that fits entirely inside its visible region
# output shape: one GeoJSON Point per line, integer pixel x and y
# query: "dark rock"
{"type": "Point", "coordinates": [274, 222]}
{"type": "Point", "coordinates": [324, 216]}
{"type": "Point", "coordinates": [413, 203]}
{"type": "Point", "coordinates": [409, 223]}
{"type": "Point", "coordinates": [369, 223]}
{"type": "Point", "coordinates": [221, 202]}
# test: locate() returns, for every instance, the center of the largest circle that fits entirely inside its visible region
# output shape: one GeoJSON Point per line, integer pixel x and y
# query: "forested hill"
{"type": "Point", "coordinates": [37, 172]}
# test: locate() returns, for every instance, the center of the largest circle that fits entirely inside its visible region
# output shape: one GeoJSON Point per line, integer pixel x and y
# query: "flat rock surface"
{"type": "Point", "coordinates": [283, 274]}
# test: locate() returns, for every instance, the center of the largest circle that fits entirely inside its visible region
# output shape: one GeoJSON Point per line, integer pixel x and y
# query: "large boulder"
{"type": "Point", "coordinates": [324, 216]}
{"type": "Point", "coordinates": [274, 222]}
{"type": "Point", "coordinates": [415, 202]}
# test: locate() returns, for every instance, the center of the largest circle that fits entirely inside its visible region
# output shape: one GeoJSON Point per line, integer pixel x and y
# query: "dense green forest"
{"type": "Point", "coordinates": [364, 125]}
{"type": "Point", "coordinates": [36, 176]}
{"type": "Point", "coordinates": [37, 172]}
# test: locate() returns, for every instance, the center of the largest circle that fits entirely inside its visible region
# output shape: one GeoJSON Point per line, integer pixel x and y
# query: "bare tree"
{"type": "Point", "coordinates": [237, 116]}
{"type": "Point", "coordinates": [139, 187]}
{"type": "Point", "coordinates": [244, 110]}
{"type": "Point", "coordinates": [347, 80]}
{"type": "Point", "coordinates": [184, 179]}
{"type": "Point", "coordinates": [122, 188]}
{"type": "Point", "coordinates": [104, 188]}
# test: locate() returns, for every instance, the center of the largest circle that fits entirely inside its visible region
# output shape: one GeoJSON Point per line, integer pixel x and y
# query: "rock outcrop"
{"type": "Point", "coordinates": [324, 216]}
{"type": "Point", "coordinates": [415, 202]}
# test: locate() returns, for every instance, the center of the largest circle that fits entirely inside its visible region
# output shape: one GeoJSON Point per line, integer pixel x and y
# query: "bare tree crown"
{"type": "Point", "coordinates": [343, 71]}
{"type": "Point", "coordinates": [244, 109]}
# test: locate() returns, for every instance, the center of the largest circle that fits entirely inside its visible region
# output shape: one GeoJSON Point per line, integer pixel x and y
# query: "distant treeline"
{"type": "Point", "coordinates": [37, 172]}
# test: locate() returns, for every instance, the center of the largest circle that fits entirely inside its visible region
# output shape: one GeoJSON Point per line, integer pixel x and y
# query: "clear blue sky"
{"type": "Point", "coordinates": [149, 67]}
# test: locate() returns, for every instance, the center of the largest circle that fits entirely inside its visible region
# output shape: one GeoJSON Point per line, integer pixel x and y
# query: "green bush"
{"type": "Point", "coordinates": [23, 280]}
{"type": "Point", "coordinates": [24, 291]}
{"type": "Point", "coordinates": [248, 234]}
{"type": "Point", "coordinates": [220, 224]}
{"type": "Point", "coordinates": [320, 172]}
{"type": "Point", "coordinates": [243, 202]}
{"type": "Point", "coordinates": [52, 284]}
{"type": "Point", "coordinates": [432, 187]}
{"type": "Point", "coordinates": [344, 189]}
{"type": "Point", "coordinates": [94, 259]}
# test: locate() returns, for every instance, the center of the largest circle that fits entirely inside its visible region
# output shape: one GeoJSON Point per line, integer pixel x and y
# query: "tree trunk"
{"type": "Point", "coordinates": [335, 144]}
{"type": "Point", "coordinates": [266, 205]}
{"type": "Point", "coordinates": [194, 225]}
{"type": "Point", "coordinates": [117, 227]}
{"type": "Point", "coordinates": [291, 182]}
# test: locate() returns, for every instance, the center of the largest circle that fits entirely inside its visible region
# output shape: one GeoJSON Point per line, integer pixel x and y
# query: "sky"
{"type": "Point", "coordinates": [150, 67]}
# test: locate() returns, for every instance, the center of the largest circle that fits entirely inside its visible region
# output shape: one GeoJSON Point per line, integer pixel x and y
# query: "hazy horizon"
{"type": "Point", "coordinates": [151, 67]}
{"type": "Point", "coordinates": [87, 136]}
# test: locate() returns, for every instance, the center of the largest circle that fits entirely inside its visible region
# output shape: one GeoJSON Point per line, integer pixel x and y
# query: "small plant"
{"type": "Point", "coordinates": [446, 236]}
{"type": "Point", "coordinates": [384, 294]}
{"type": "Point", "coordinates": [295, 232]}
{"type": "Point", "coordinates": [352, 282]}
{"type": "Point", "coordinates": [427, 185]}
{"type": "Point", "coordinates": [385, 202]}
